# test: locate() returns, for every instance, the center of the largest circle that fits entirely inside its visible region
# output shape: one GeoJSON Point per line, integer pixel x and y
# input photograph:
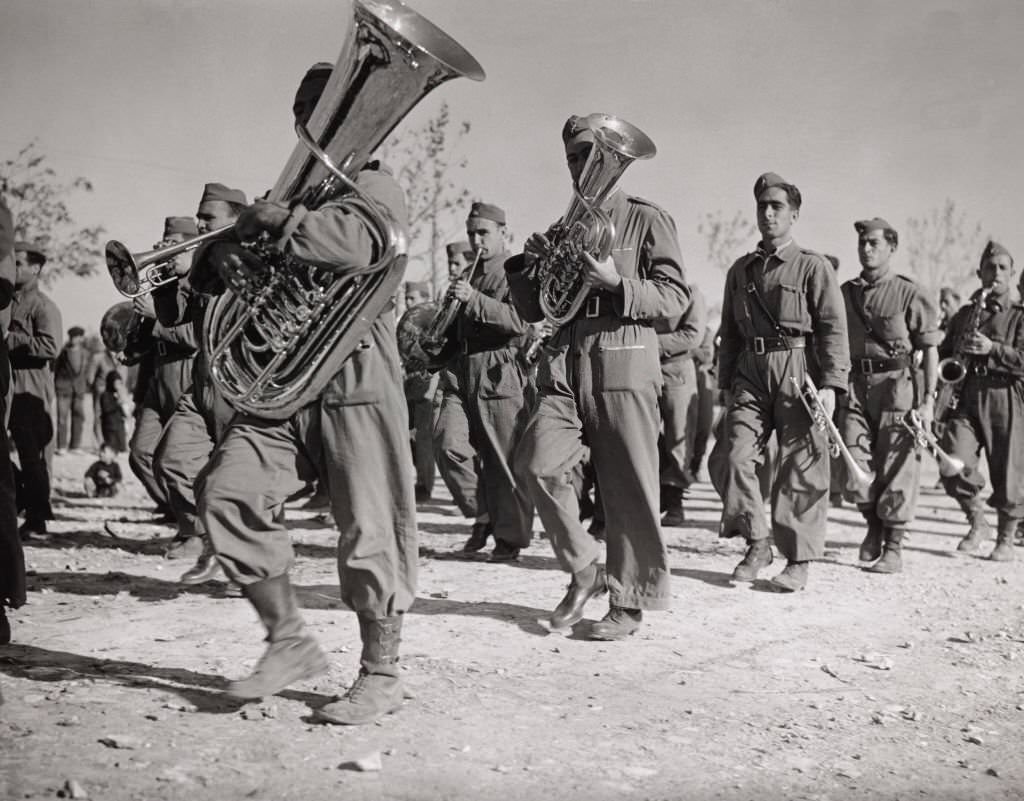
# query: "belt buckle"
{"type": "Point", "coordinates": [161, 348]}
{"type": "Point", "coordinates": [981, 370]}
{"type": "Point", "coordinates": [593, 307]}
{"type": "Point", "coordinates": [759, 347]}
{"type": "Point", "coordinates": [867, 366]}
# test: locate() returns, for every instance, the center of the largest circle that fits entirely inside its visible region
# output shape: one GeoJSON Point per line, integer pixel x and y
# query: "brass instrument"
{"type": "Point", "coordinates": [409, 333]}
{"type": "Point", "coordinates": [435, 336]}
{"type": "Point", "coordinates": [948, 465]}
{"type": "Point", "coordinates": [136, 274]}
{"type": "Point", "coordinates": [823, 421]}
{"type": "Point", "coordinates": [124, 331]}
{"type": "Point", "coordinates": [275, 341]}
{"type": "Point", "coordinates": [953, 369]}
{"type": "Point", "coordinates": [585, 227]}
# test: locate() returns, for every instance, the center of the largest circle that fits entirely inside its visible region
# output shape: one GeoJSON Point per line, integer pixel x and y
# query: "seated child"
{"type": "Point", "coordinates": [103, 478]}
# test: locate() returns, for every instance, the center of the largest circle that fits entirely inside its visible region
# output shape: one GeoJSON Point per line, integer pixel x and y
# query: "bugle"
{"type": "Point", "coordinates": [948, 465]}
{"type": "Point", "coordinates": [136, 274]}
{"type": "Point", "coordinates": [823, 421]}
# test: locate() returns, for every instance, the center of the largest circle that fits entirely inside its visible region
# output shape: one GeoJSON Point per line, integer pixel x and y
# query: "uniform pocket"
{"type": "Point", "coordinates": [625, 367]}
{"type": "Point", "coordinates": [360, 380]}
{"type": "Point", "coordinates": [501, 379]}
{"type": "Point", "coordinates": [792, 307]}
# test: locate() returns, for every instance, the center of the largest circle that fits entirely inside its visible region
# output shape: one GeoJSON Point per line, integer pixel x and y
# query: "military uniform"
{"type": "Point", "coordinates": [759, 357]}
{"type": "Point", "coordinates": [707, 388]}
{"type": "Point", "coordinates": [454, 455]}
{"type": "Point", "coordinates": [678, 338]}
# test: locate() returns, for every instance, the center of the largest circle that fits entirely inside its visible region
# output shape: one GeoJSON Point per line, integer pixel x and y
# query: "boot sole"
{"type": "Point", "coordinates": [310, 672]}
{"type": "Point", "coordinates": [321, 716]}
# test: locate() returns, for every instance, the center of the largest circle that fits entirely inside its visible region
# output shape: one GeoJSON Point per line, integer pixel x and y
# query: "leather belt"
{"type": "Point", "coordinates": [169, 352]}
{"type": "Point", "coordinates": [596, 306]}
{"type": "Point", "coordinates": [867, 366]}
{"type": "Point", "coordinates": [761, 345]}
{"type": "Point", "coordinates": [991, 376]}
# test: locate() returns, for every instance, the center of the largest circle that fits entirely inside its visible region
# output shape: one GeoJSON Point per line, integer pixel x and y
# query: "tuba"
{"type": "Point", "coordinates": [585, 227]}
{"type": "Point", "coordinates": [823, 422]}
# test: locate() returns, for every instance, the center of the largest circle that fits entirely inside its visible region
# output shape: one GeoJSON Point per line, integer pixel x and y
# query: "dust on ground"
{"type": "Point", "coordinates": [861, 687]}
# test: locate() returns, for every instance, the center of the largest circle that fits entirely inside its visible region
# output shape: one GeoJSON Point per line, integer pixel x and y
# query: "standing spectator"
{"type": "Point", "coordinates": [71, 380]}
{"type": "Point", "coordinates": [101, 362]}
{"type": "Point", "coordinates": [114, 405]}
{"type": "Point", "coordinates": [34, 341]}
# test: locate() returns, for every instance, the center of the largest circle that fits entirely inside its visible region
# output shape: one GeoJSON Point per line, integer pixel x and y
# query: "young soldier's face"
{"type": "Point", "coordinates": [414, 298]}
{"type": "Point", "coordinates": [485, 236]}
{"type": "Point", "coordinates": [874, 250]}
{"type": "Point", "coordinates": [775, 217]}
{"type": "Point", "coordinates": [214, 214]}
{"type": "Point", "coordinates": [24, 270]}
{"type": "Point", "coordinates": [456, 266]}
{"type": "Point", "coordinates": [576, 154]}
{"type": "Point", "coordinates": [997, 272]}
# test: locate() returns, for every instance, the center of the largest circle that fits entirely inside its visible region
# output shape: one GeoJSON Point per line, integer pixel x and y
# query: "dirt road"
{"type": "Point", "coordinates": [862, 687]}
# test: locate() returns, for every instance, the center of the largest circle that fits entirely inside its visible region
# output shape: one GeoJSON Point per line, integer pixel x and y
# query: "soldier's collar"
{"type": "Point", "coordinates": [784, 252]}
{"type": "Point", "coordinates": [877, 278]}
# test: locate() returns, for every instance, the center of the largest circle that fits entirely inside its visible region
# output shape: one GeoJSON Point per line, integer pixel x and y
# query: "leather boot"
{"type": "Point", "coordinates": [478, 537]}
{"type": "Point", "coordinates": [206, 567]}
{"type": "Point", "coordinates": [377, 690]}
{"type": "Point", "coordinates": [871, 547]}
{"type": "Point", "coordinates": [586, 584]}
{"type": "Point", "coordinates": [759, 555]}
{"type": "Point", "coordinates": [618, 624]}
{"type": "Point", "coordinates": [891, 561]}
{"type": "Point", "coordinates": [672, 506]}
{"type": "Point", "coordinates": [5, 627]}
{"type": "Point", "coordinates": [792, 578]}
{"type": "Point", "coordinates": [1003, 552]}
{"type": "Point", "coordinates": [292, 654]}
{"type": "Point", "coordinates": [980, 531]}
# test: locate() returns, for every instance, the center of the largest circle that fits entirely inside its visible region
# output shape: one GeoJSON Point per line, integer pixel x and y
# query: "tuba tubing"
{"type": "Point", "coordinates": [823, 422]}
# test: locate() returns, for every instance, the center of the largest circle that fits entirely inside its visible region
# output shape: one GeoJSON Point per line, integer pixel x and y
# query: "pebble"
{"type": "Point", "coordinates": [364, 764]}
{"type": "Point", "coordinates": [72, 789]}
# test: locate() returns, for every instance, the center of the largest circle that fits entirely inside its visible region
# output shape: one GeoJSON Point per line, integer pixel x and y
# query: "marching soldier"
{"type": "Point", "coordinates": [598, 384]}
{"type": "Point", "coordinates": [33, 341]}
{"type": "Point", "coordinates": [420, 390]}
{"type": "Point", "coordinates": [888, 317]}
{"type": "Point", "coordinates": [355, 432]}
{"type": "Point", "coordinates": [678, 339]}
{"type": "Point", "coordinates": [704, 360]}
{"type": "Point", "coordinates": [782, 319]}
{"type": "Point", "coordinates": [487, 399]}
{"type": "Point", "coordinates": [990, 406]}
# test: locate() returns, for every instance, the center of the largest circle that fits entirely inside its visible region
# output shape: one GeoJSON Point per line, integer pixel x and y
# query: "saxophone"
{"type": "Point", "coordinates": [953, 369]}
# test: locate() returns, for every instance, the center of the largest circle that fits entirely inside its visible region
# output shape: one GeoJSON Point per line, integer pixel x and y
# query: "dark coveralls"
{"type": "Point", "coordinates": [678, 338]}
{"type": "Point", "coordinates": [756, 363]}
{"type": "Point", "coordinates": [989, 415]}
{"type": "Point", "coordinates": [882, 391]}
{"type": "Point", "coordinates": [200, 416]}
{"type": "Point", "coordinates": [34, 340]}
{"type": "Point", "coordinates": [707, 388]}
{"type": "Point", "coordinates": [598, 385]}
{"type": "Point", "coordinates": [456, 459]}
{"type": "Point", "coordinates": [173, 351]}
{"type": "Point", "coordinates": [71, 382]}
{"type": "Point", "coordinates": [420, 391]}
{"type": "Point", "coordinates": [356, 430]}
{"type": "Point", "coordinates": [488, 400]}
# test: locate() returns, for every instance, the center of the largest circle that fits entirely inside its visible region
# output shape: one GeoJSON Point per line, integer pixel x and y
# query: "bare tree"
{"type": "Point", "coordinates": [942, 248]}
{"type": "Point", "coordinates": [727, 238]}
{"type": "Point", "coordinates": [427, 164]}
{"type": "Point", "coordinates": [37, 199]}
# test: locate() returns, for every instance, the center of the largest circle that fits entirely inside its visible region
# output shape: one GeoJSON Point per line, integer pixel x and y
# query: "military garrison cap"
{"type": "Point", "coordinates": [454, 249]}
{"type": "Point", "coordinates": [221, 192]}
{"type": "Point", "coordinates": [32, 249]}
{"type": "Point", "coordinates": [487, 211]}
{"type": "Point", "coordinates": [875, 224]}
{"type": "Point", "coordinates": [994, 249]}
{"type": "Point", "coordinates": [180, 225]}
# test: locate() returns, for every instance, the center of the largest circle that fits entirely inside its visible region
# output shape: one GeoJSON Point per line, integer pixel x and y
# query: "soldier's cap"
{"type": "Point", "coordinates": [454, 249]}
{"type": "Point", "coordinates": [312, 84]}
{"type": "Point", "coordinates": [32, 249]}
{"type": "Point", "coordinates": [423, 287]}
{"type": "Point", "coordinates": [487, 211]}
{"type": "Point", "coordinates": [875, 224]}
{"type": "Point", "coordinates": [217, 191]}
{"type": "Point", "coordinates": [6, 230]}
{"type": "Point", "coordinates": [994, 249]}
{"type": "Point", "coordinates": [769, 180]}
{"type": "Point", "coordinates": [180, 225]}
{"type": "Point", "coordinates": [76, 331]}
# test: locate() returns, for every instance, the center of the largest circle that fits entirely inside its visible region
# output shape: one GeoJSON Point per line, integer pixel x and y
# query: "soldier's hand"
{"type": "Point", "coordinates": [262, 216]}
{"type": "Point", "coordinates": [601, 273]}
{"type": "Point", "coordinates": [827, 396]}
{"type": "Point", "coordinates": [462, 290]}
{"type": "Point", "coordinates": [535, 248]}
{"type": "Point", "coordinates": [143, 305]}
{"type": "Point", "coordinates": [978, 345]}
{"type": "Point", "coordinates": [237, 267]}
{"type": "Point", "coordinates": [926, 411]}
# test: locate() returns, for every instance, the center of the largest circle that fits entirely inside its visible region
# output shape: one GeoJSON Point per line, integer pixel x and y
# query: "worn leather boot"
{"type": "Point", "coordinates": [5, 627]}
{"type": "Point", "coordinates": [980, 530]}
{"type": "Point", "coordinates": [871, 547]}
{"type": "Point", "coordinates": [206, 567]}
{"type": "Point", "coordinates": [758, 556]}
{"type": "Point", "coordinates": [618, 624]}
{"type": "Point", "coordinates": [377, 690]}
{"type": "Point", "coordinates": [672, 506]}
{"type": "Point", "coordinates": [891, 561]}
{"type": "Point", "coordinates": [292, 654]}
{"type": "Point", "coordinates": [792, 578]}
{"type": "Point", "coordinates": [478, 537]}
{"type": "Point", "coordinates": [1003, 552]}
{"type": "Point", "coordinates": [586, 584]}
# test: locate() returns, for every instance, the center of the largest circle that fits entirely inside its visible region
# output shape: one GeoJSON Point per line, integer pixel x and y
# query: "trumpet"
{"type": "Point", "coordinates": [948, 465]}
{"type": "Point", "coordinates": [136, 274]}
{"type": "Point", "coordinates": [823, 422]}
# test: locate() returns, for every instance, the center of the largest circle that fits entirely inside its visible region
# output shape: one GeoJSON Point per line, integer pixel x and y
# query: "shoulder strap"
{"type": "Point", "coordinates": [754, 292]}
{"type": "Point", "coordinates": [859, 309]}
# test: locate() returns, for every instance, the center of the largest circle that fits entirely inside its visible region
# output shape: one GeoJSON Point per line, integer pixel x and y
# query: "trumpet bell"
{"type": "Point", "coordinates": [124, 272]}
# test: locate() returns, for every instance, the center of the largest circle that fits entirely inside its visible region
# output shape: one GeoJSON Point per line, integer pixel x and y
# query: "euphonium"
{"type": "Point", "coordinates": [823, 421]}
{"type": "Point", "coordinates": [953, 369]}
{"type": "Point", "coordinates": [122, 331]}
{"type": "Point", "coordinates": [585, 227]}
{"type": "Point", "coordinates": [276, 342]}
{"type": "Point", "coordinates": [923, 438]}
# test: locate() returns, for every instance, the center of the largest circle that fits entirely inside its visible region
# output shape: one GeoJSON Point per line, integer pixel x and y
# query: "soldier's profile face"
{"type": "Point", "coordinates": [775, 217]}
{"type": "Point", "coordinates": [24, 269]}
{"type": "Point", "coordinates": [997, 272]}
{"type": "Point", "coordinates": [874, 250]}
{"type": "Point", "coordinates": [214, 214]}
{"type": "Point", "coordinates": [576, 154]}
{"type": "Point", "coordinates": [414, 297]}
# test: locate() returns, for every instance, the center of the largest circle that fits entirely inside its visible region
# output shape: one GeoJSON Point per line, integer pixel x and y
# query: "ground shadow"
{"type": "Point", "coordinates": [711, 577]}
{"type": "Point", "coordinates": [446, 528]}
{"type": "Point", "coordinates": [142, 587]}
{"type": "Point", "coordinates": [526, 561]}
{"type": "Point", "coordinates": [154, 546]}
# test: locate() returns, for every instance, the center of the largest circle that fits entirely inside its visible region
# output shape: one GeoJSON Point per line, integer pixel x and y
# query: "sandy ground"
{"type": "Point", "coordinates": [862, 687]}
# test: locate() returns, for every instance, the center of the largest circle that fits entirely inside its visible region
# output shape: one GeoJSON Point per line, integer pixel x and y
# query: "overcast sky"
{"type": "Point", "coordinates": [870, 107]}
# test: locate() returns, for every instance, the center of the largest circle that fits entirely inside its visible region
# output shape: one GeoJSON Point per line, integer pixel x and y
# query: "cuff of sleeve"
{"type": "Point", "coordinates": [835, 381]}
{"type": "Point", "coordinates": [291, 224]}
{"type": "Point", "coordinates": [626, 304]}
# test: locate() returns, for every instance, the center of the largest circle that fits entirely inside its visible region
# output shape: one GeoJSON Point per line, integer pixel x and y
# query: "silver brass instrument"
{"type": "Point", "coordinates": [823, 421]}
{"type": "Point", "coordinates": [585, 227]}
{"type": "Point", "coordinates": [435, 336]}
{"type": "Point", "coordinates": [948, 465]}
{"type": "Point", "coordinates": [953, 369]}
{"type": "Point", "coordinates": [122, 332]}
{"type": "Point", "coordinates": [274, 342]}
{"type": "Point", "coordinates": [409, 333]}
{"type": "Point", "coordinates": [136, 274]}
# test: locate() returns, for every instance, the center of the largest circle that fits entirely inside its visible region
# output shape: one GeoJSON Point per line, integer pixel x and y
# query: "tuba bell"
{"type": "Point", "coordinates": [585, 227]}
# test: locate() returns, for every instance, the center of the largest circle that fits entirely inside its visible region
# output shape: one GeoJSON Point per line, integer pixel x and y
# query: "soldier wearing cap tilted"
{"type": "Point", "coordinates": [201, 414]}
{"type": "Point", "coordinates": [173, 348]}
{"type": "Point", "coordinates": [782, 319]}
{"type": "Point", "coordinates": [990, 408]}
{"type": "Point", "coordinates": [888, 317]}
{"type": "Point", "coordinates": [487, 397]}
{"type": "Point", "coordinates": [33, 340]}
{"type": "Point", "coordinates": [598, 385]}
